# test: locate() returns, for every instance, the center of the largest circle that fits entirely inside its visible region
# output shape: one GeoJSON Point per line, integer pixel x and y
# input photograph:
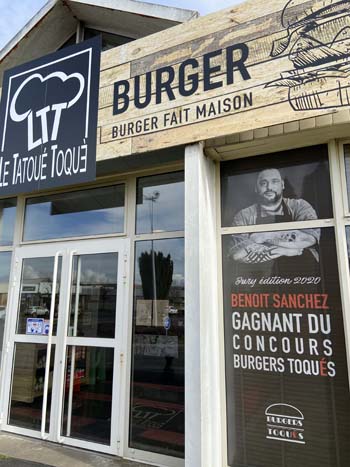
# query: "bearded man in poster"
{"type": "Point", "coordinates": [272, 207]}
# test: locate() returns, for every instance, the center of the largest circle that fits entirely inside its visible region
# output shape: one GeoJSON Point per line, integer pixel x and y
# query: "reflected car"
{"type": "Point", "coordinates": [2, 312]}
{"type": "Point", "coordinates": [37, 311]}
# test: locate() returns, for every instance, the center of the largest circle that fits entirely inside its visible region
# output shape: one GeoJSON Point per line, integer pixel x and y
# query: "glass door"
{"type": "Point", "coordinates": [64, 353]}
{"type": "Point", "coordinates": [33, 311]}
{"type": "Point", "coordinates": [92, 345]}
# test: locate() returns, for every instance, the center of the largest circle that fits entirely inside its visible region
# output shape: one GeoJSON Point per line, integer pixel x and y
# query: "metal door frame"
{"type": "Point", "coordinates": [67, 251]}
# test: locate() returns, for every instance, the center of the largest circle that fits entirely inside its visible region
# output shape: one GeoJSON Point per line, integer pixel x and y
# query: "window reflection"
{"type": "Point", "coordinates": [93, 296]}
{"type": "Point", "coordinates": [160, 203]}
{"type": "Point", "coordinates": [347, 229]}
{"type": "Point", "coordinates": [36, 292]}
{"type": "Point", "coordinates": [28, 386]}
{"type": "Point", "coordinates": [71, 41]}
{"type": "Point", "coordinates": [157, 391]}
{"type": "Point", "coordinates": [7, 220]}
{"type": "Point", "coordinates": [5, 265]}
{"type": "Point", "coordinates": [79, 213]}
{"type": "Point", "coordinates": [88, 394]}
{"type": "Point", "coordinates": [109, 40]}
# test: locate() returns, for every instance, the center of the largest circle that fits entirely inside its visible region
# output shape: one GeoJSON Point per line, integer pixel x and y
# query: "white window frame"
{"type": "Point", "coordinates": [61, 345]}
{"type": "Point", "coordinates": [10, 248]}
{"type": "Point", "coordinates": [129, 180]}
{"type": "Point", "coordinates": [131, 453]}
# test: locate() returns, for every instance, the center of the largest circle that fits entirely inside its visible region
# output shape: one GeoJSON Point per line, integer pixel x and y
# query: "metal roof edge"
{"type": "Point", "coordinates": [11, 44]}
{"type": "Point", "coordinates": [141, 8]}
{"type": "Point", "coordinates": [155, 10]}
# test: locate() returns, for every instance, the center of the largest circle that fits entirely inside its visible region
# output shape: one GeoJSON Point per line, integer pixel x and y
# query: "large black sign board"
{"type": "Point", "coordinates": [48, 120]}
{"type": "Point", "coordinates": [286, 369]}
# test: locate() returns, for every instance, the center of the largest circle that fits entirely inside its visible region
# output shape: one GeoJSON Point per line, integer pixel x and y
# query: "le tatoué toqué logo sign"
{"type": "Point", "coordinates": [48, 120]}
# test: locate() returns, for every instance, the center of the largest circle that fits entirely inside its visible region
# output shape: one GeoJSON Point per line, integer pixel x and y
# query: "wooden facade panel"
{"type": "Point", "coordinates": [192, 30]}
{"type": "Point", "coordinates": [286, 75]}
{"type": "Point", "coordinates": [260, 36]}
{"type": "Point", "coordinates": [118, 148]}
{"type": "Point", "coordinates": [260, 31]}
{"type": "Point", "coordinates": [260, 50]}
{"type": "Point", "coordinates": [165, 39]}
{"type": "Point", "coordinates": [258, 74]}
{"type": "Point", "coordinates": [110, 75]}
{"type": "Point", "coordinates": [261, 96]}
{"type": "Point", "coordinates": [203, 130]}
{"type": "Point", "coordinates": [263, 99]}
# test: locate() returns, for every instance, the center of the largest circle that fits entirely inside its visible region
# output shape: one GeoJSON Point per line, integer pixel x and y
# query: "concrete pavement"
{"type": "Point", "coordinates": [17, 451]}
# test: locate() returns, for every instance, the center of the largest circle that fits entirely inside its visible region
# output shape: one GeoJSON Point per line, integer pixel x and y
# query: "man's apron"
{"type": "Point", "coordinates": [304, 264]}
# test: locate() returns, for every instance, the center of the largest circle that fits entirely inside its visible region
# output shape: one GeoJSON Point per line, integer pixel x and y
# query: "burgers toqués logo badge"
{"type": "Point", "coordinates": [285, 422]}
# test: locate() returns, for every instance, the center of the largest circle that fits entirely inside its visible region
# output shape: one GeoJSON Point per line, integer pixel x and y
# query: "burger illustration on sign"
{"type": "Point", "coordinates": [317, 42]}
{"type": "Point", "coordinates": [285, 422]}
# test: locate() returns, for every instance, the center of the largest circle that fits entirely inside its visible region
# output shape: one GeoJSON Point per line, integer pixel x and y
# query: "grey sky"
{"type": "Point", "coordinates": [16, 13]}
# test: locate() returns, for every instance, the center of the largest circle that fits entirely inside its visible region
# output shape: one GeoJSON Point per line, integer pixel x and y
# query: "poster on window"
{"type": "Point", "coordinates": [288, 186]}
{"type": "Point", "coordinates": [287, 386]}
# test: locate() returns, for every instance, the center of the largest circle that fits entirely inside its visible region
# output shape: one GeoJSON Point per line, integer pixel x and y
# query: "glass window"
{"type": "Point", "coordinates": [347, 229]}
{"type": "Point", "coordinates": [94, 295]}
{"type": "Point", "coordinates": [28, 386]}
{"type": "Point", "coordinates": [71, 41]}
{"type": "Point", "coordinates": [157, 383]}
{"type": "Point", "coordinates": [160, 203]}
{"type": "Point", "coordinates": [5, 266]}
{"type": "Point", "coordinates": [109, 40]}
{"type": "Point", "coordinates": [7, 220]}
{"type": "Point", "coordinates": [88, 394]}
{"type": "Point", "coordinates": [79, 213]}
{"type": "Point", "coordinates": [281, 187]}
{"type": "Point", "coordinates": [36, 295]}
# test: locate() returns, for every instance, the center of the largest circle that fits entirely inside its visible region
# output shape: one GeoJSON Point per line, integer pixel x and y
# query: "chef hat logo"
{"type": "Point", "coordinates": [57, 109]}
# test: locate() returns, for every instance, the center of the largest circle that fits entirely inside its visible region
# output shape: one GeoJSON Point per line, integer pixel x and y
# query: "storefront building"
{"type": "Point", "coordinates": [188, 305]}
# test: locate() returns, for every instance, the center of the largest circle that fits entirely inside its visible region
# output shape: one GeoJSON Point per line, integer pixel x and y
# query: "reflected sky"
{"type": "Point", "coordinates": [81, 213]}
{"type": "Point", "coordinates": [99, 268]}
{"type": "Point", "coordinates": [5, 265]}
{"type": "Point", "coordinates": [160, 203]}
{"type": "Point", "coordinates": [38, 269]}
{"type": "Point", "coordinates": [348, 239]}
{"type": "Point", "coordinates": [7, 221]}
{"type": "Point", "coordinates": [36, 289]}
